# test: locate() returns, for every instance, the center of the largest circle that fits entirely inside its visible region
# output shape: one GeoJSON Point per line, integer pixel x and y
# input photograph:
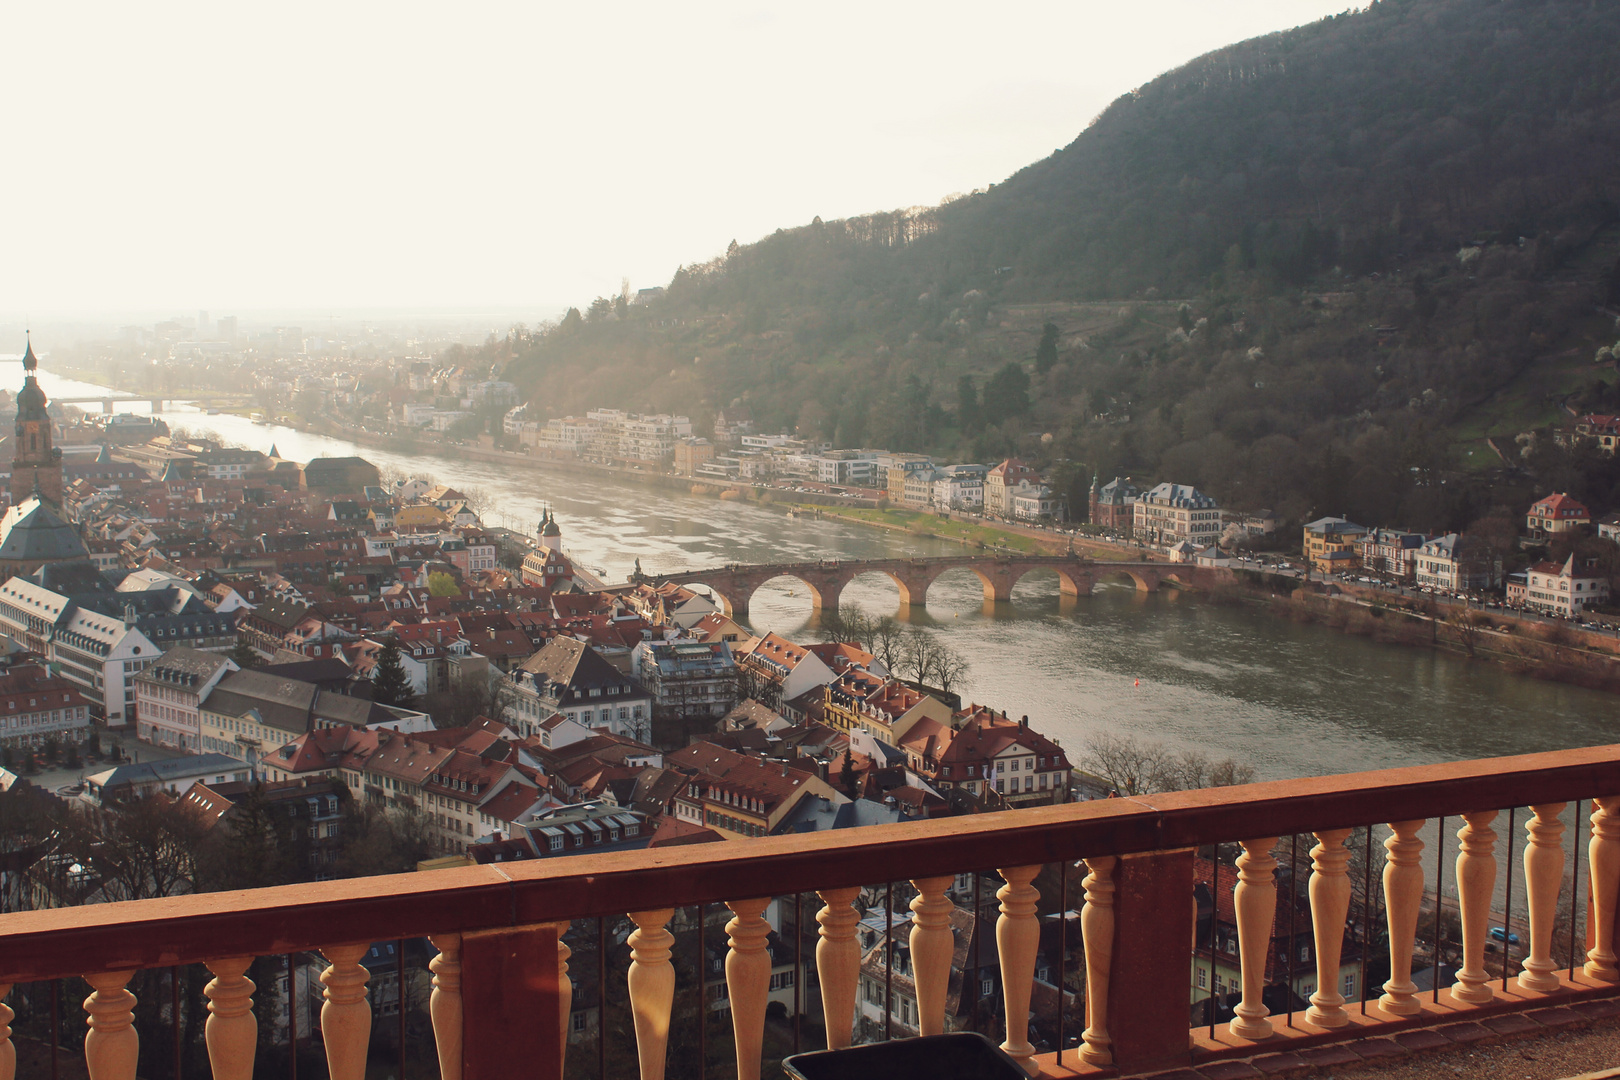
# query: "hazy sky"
{"type": "Point", "coordinates": [238, 156]}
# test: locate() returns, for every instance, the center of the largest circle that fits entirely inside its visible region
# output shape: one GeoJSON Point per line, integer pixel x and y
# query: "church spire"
{"type": "Point", "coordinates": [30, 363]}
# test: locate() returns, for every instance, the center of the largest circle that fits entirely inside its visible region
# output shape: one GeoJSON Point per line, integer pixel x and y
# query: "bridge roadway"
{"type": "Point", "coordinates": [735, 583]}
{"type": "Point", "coordinates": [107, 401]}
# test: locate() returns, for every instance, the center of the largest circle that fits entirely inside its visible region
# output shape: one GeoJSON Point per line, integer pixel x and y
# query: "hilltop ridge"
{"type": "Point", "coordinates": [1307, 271]}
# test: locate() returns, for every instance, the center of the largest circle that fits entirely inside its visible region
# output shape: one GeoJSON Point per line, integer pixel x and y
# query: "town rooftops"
{"type": "Point", "coordinates": [1334, 526]}
{"type": "Point", "coordinates": [28, 688]}
{"type": "Point", "coordinates": [768, 782]}
{"type": "Point", "coordinates": [1012, 470]}
{"type": "Point", "coordinates": [292, 705]}
{"type": "Point", "coordinates": [181, 666]}
{"type": "Point", "coordinates": [1442, 546]}
{"type": "Point", "coordinates": [574, 665]}
{"type": "Point", "coordinates": [163, 772]}
{"type": "Point", "coordinates": [1179, 495]}
{"type": "Point", "coordinates": [777, 652]}
{"type": "Point", "coordinates": [1562, 506]}
{"type": "Point", "coordinates": [838, 812]}
{"type": "Point", "coordinates": [31, 532]}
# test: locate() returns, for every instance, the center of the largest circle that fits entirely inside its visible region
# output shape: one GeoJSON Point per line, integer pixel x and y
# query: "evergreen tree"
{"type": "Point", "coordinates": [1006, 395]}
{"type": "Point", "coordinates": [967, 403]}
{"type": "Point", "coordinates": [1046, 355]}
{"type": "Point", "coordinates": [390, 684]}
{"type": "Point", "coordinates": [846, 774]}
{"type": "Point", "coordinates": [243, 656]}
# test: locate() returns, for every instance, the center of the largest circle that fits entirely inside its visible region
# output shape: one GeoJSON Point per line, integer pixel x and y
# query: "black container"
{"type": "Point", "coordinates": [961, 1056]}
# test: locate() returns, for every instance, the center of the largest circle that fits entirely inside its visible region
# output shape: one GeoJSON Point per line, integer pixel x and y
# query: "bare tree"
{"type": "Point", "coordinates": [916, 654]}
{"type": "Point", "coordinates": [1134, 766]}
{"type": "Point", "coordinates": [1131, 766]}
{"type": "Point", "coordinates": [1468, 625]}
{"type": "Point", "coordinates": [886, 642]}
{"type": "Point", "coordinates": [141, 849]}
{"type": "Point", "coordinates": [478, 500]}
{"type": "Point", "coordinates": [950, 668]}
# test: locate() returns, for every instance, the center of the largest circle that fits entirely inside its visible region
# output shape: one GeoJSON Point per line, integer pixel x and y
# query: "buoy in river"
{"type": "Point", "coordinates": [1138, 682]}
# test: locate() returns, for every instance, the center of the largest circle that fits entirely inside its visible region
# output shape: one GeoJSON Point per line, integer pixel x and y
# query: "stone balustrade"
{"type": "Point", "coordinates": [501, 959]}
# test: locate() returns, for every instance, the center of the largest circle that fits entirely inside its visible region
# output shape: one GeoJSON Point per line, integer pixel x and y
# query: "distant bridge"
{"type": "Point", "coordinates": [735, 584]}
{"type": "Point", "coordinates": [107, 401]}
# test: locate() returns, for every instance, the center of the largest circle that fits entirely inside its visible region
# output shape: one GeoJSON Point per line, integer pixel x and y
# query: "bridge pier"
{"type": "Point", "coordinates": [106, 406]}
{"type": "Point", "coordinates": [1075, 585]}
{"type": "Point", "coordinates": [157, 405]}
{"type": "Point", "coordinates": [913, 588]}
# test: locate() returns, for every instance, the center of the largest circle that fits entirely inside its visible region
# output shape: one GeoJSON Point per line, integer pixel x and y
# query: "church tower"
{"type": "Point", "coordinates": [36, 465]}
{"type": "Point", "coordinates": [550, 534]}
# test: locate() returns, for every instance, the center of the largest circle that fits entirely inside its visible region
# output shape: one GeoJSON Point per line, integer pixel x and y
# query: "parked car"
{"type": "Point", "coordinates": [1500, 933]}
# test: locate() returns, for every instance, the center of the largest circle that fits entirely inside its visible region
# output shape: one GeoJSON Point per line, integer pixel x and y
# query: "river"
{"type": "Point", "coordinates": [1290, 700]}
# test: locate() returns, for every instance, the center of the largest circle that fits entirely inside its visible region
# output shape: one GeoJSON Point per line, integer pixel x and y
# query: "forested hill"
{"type": "Point", "coordinates": [1309, 271]}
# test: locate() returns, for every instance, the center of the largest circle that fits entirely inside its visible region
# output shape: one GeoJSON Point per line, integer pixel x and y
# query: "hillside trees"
{"type": "Point", "coordinates": [1280, 258]}
{"type": "Point", "coordinates": [1046, 353]}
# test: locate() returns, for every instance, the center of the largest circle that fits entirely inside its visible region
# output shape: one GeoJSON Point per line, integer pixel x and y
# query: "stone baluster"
{"type": "Point", "coordinates": [444, 1004]}
{"type": "Point", "coordinates": [232, 1032]}
{"type": "Point", "coordinates": [1255, 900]}
{"type": "Point", "coordinates": [1018, 935]}
{"type": "Point", "coordinates": [838, 964]}
{"type": "Point", "coordinates": [748, 981]}
{"type": "Point", "coordinates": [345, 1015]}
{"type": "Point", "coordinates": [112, 1046]}
{"type": "Point", "coordinates": [1403, 897]}
{"type": "Point", "coordinates": [1330, 905]}
{"type": "Point", "coordinates": [932, 946]}
{"type": "Point", "coordinates": [1603, 860]}
{"type": "Point", "coordinates": [652, 987]}
{"type": "Point", "coordinates": [565, 992]}
{"type": "Point", "coordinates": [8, 1051]}
{"type": "Point", "coordinates": [1476, 880]}
{"type": "Point", "coordinates": [1097, 932]}
{"type": "Point", "coordinates": [1543, 874]}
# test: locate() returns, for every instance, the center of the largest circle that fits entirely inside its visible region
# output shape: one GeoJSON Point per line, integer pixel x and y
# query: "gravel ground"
{"type": "Point", "coordinates": [1553, 1056]}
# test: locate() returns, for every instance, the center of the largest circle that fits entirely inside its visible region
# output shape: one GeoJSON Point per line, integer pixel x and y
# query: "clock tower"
{"type": "Point", "coordinates": [36, 465]}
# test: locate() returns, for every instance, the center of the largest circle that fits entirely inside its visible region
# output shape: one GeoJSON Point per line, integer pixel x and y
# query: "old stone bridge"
{"type": "Point", "coordinates": [734, 584]}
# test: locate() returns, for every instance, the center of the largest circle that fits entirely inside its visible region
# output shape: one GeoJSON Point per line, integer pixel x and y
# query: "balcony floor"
{"type": "Point", "coordinates": [1553, 1043]}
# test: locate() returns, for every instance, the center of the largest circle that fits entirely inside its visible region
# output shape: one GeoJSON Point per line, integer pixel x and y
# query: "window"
{"type": "Point", "coordinates": [1203, 978]}
{"type": "Point", "coordinates": [1349, 987]}
{"type": "Point", "coordinates": [578, 1022]}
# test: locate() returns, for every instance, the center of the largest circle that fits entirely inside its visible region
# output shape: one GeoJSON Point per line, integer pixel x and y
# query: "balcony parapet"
{"type": "Point", "coordinates": [1135, 851]}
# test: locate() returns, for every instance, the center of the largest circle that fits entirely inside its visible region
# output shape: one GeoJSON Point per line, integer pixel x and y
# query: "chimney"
{"type": "Point", "coordinates": [1024, 723]}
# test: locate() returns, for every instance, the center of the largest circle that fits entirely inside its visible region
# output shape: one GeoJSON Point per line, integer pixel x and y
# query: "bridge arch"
{"type": "Point", "coordinates": [722, 598]}
{"type": "Point", "coordinates": [1145, 580]}
{"type": "Point", "coordinates": [985, 580]}
{"type": "Point", "coordinates": [824, 594]}
{"type": "Point", "coordinates": [907, 587]}
{"type": "Point", "coordinates": [1072, 580]}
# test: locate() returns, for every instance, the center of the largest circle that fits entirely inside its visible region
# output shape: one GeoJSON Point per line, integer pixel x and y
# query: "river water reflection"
{"type": "Point", "coordinates": [1292, 700]}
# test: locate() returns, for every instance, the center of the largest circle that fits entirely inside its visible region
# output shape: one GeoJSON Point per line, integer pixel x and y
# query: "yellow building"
{"type": "Point", "coordinates": [887, 709]}
{"type": "Point", "coordinates": [1331, 545]}
{"type": "Point", "coordinates": [421, 517]}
